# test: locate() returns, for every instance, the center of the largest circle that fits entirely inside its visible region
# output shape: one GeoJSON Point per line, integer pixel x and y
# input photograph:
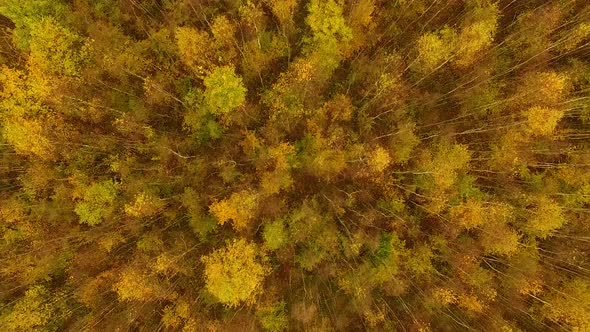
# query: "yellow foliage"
{"type": "Point", "coordinates": [133, 285]}
{"type": "Point", "coordinates": [542, 121]}
{"type": "Point", "coordinates": [144, 205]}
{"type": "Point", "coordinates": [239, 208]}
{"type": "Point", "coordinates": [546, 217]}
{"type": "Point", "coordinates": [174, 315]}
{"type": "Point", "coordinates": [434, 49]}
{"type": "Point", "coordinates": [470, 214]}
{"type": "Point", "coordinates": [374, 318]}
{"type": "Point", "coordinates": [250, 144]}
{"type": "Point", "coordinates": [111, 240]}
{"type": "Point", "coordinates": [273, 182]}
{"type": "Point", "coordinates": [447, 161]}
{"type": "Point", "coordinates": [224, 34]}
{"type": "Point", "coordinates": [506, 153]}
{"type": "Point", "coordinates": [470, 302]}
{"type": "Point", "coordinates": [534, 287]}
{"type": "Point", "coordinates": [543, 89]}
{"type": "Point", "coordinates": [478, 35]}
{"type": "Point", "coordinates": [195, 49]}
{"type": "Point", "coordinates": [378, 159]}
{"type": "Point", "coordinates": [25, 120]}
{"type": "Point", "coordinates": [445, 296]}
{"type": "Point", "coordinates": [234, 274]}
{"type": "Point", "coordinates": [575, 36]}
{"type": "Point", "coordinates": [33, 312]}
{"type": "Point", "coordinates": [280, 154]}
{"type": "Point", "coordinates": [499, 239]}
{"type": "Point", "coordinates": [284, 11]}
{"type": "Point", "coordinates": [570, 305]}
{"type": "Point", "coordinates": [57, 50]}
{"type": "Point", "coordinates": [28, 137]}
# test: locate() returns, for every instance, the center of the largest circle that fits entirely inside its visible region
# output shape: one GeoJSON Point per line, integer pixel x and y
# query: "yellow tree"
{"type": "Point", "coordinates": [240, 208]}
{"type": "Point", "coordinates": [542, 121]}
{"type": "Point", "coordinates": [477, 34]}
{"type": "Point", "coordinates": [33, 312]}
{"type": "Point", "coordinates": [570, 305]}
{"type": "Point", "coordinates": [546, 217]}
{"type": "Point", "coordinates": [435, 49]}
{"type": "Point", "coordinates": [194, 49]}
{"type": "Point", "coordinates": [234, 274]}
{"type": "Point", "coordinates": [134, 284]}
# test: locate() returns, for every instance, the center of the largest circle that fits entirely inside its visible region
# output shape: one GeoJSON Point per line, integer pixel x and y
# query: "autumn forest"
{"type": "Point", "coordinates": [294, 165]}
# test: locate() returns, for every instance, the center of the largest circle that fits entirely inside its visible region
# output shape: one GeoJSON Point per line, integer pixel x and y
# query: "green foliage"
{"type": "Point", "coordinates": [327, 23]}
{"type": "Point", "coordinates": [149, 243]}
{"type": "Point", "coordinates": [27, 13]}
{"type": "Point", "coordinates": [97, 202]}
{"type": "Point", "coordinates": [273, 318]}
{"type": "Point", "coordinates": [329, 31]}
{"type": "Point", "coordinates": [57, 50]}
{"type": "Point", "coordinates": [224, 91]}
{"type": "Point", "coordinates": [275, 235]}
{"type": "Point", "coordinates": [385, 248]}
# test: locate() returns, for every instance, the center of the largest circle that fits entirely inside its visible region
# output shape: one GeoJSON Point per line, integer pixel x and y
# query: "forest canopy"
{"type": "Point", "coordinates": [294, 165]}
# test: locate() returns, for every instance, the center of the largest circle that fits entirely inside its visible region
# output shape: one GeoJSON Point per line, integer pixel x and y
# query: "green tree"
{"type": "Point", "coordinates": [26, 14]}
{"type": "Point", "coordinates": [97, 202]}
{"type": "Point", "coordinates": [57, 50]}
{"type": "Point", "coordinates": [224, 91]}
{"type": "Point", "coordinates": [273, 318]}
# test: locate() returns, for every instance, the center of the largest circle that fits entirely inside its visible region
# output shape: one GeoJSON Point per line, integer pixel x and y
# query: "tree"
{"type": "Point", "coordinates": [144, 205]}
{"type": "Point", "coordinates": [329, 31]}
{"type": "Point", "coordinates": [435, 49]}
{"type": "Point", "coordinates": [194, 50]}
{"type": "Point", "coordinates": [224, 32]}
{"type": "Point", "coordinates": [135, 285]}
{"type": "Point", "coordinates": [570, 305]}
{"type": "Point", "coordinates": [541, 121]}
{"type": "Point", "coordinates": [275, 235]}
{"type": "Point", "coordinates": [97, 202]}
{"type": "Point", "coordinates": [57, 50]}
{"type": "Point", "coordinates": [234, 274]}
{"type": "Point", "coordinates": [544, 218]}
{"type": "Point", "coordinates": [27, 122]}
{"type": "Point", "coordinates": [224, 91]}
{"type": "Point", "coordinates": [25, 14]}
{"type": "Point", "coordinates": [477, 33]}
{"type": "Point", "coordinates": [273, 318]}
{"type": "Point", "coordinates": [240, 208]}
{"type": "Point", "coordinates": [33, 312]}
{"type": "Point", "coordinates": [284, 11]}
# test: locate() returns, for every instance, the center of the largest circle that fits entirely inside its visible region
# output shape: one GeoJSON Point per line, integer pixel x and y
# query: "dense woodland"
{"type": "Point", "coordinates": [294, 165]}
